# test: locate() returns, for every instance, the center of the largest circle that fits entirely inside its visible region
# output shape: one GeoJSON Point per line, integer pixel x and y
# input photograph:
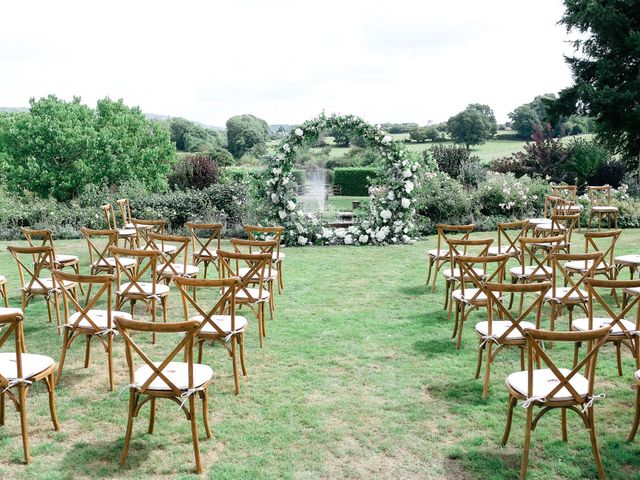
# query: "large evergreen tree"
{"type": "Point", "coordinates": [606, 71]}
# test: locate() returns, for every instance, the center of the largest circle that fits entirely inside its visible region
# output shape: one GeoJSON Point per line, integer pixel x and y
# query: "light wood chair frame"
{"type": "Point", "coordinates": [207, 247]}
{"type": "Point", "coordinates": [583, 406]}
{"type": "Point", "coordinates": [496, 295]}
{"type": "Point", "coordinates": [225, 304]}
{"type": "Point", "coordinates": [257, 262]}
{"type": "Point", "coordinates": [600, 196]}
{"type": "Point", "coordinates": [444, 230]}
{"type": "Point", "coordinates": [168, 262]}
{"type": "Point", "coordinates": [139, 395]}
{"type": "Point", "coordinates": [104, 283]}
{"type": "Point", "coordinates": [128, 239]}
{"type": "Point", "coordinates": [256, 232]}
{"type": "Point", "coordinates": [14, 323]}
{"type": "Point", "coordinates": [44, 237]}
{"type": "Point", "coordinates": [125, 212]}
{"type": "Point", "coordinates": [468, 303]}
{"type": "Point", "coordinates": [147, 261]}
{"type": "Point", "coordinates": [506, 232]}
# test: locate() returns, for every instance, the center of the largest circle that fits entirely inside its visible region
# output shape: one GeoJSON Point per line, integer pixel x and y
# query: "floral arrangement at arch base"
{"type": "Point", "coordinates": [390, 219]}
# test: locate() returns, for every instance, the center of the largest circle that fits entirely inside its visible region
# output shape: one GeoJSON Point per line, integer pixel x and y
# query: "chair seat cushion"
{"type": "Point", "coordinates": [99, 317]}
{"type": "Point", "coordinates": [177, 373]}
{"type": "Point", "coordinates": [604, 209]}
{"type": "Point", "coordinates": [561, 294]}
{"type": "Point", "coordinates": [548, 246]}
{"type": "Point", "coordinates": [538, 221]}
{"type": "Point", "coordinates": [544, 380]}
{"type": "Point", "coordinates": [582, 266]}
{"type": "Point", "coordinates": [242, 271]}
{"type": "Point", "coordinates": [498, 327]}
{"type": "Point", "coordinates": [550, 227]}
{"type": "Point", "coordinates": [469, 294]}
{"type": "Point", "coordinates": [126, 232]}
{"type": "Point", "coordinates": [223, 322]}
{"type": "Point", "coordinates": [66, 258]}
{"type": "Point", "coordinates": [447, 273]}
{"type": "Point", "coordinates": [503, 249]}
{"type": "Point", "coordinates": [3, 279]}
{"type": "Point", "coordinates": [638, 376]}
{"type": "Point", "coordinates": [254, 294]}
{"type": "Point", "coordinates": [145, 289]}
{"type": "Point", "coordinates": [582, 325]}
{"type": "Point", "coordinates": [570, 208]}
{"type": "Point", "coordinates": [209, 253]}
{"type": "Point", "coordinates": [277, 256]}
{"type": "Point", "coordinates": [12, 310]}
{"type": "Point", "coordinates": [529, 270]}
{"type": "Point", "coordinates": [435, 253]}
{"type": "Point", "coordinates": [630, 260]}
{"type": "Point", "coordinates": [166, 248]}
{"type": "Point", "coordinates": [111, 262]}
{"type": "Point", "coordinates": [632, 290]}
{"type": "Point", "coordinates": [48, 285]}
{"type": "Point", "coordinates": [177, 269]}
{"type": "Point", "coordinates": [32, 364]}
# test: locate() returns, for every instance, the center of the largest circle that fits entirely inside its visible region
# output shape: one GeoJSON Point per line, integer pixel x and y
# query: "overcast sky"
{"type": "Point", "coordinates": [285, 61]}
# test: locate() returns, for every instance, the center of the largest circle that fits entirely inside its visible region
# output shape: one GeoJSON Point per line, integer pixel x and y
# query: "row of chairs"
{"type": "Point", "coordinates": [565, 196]}
{"type": "Point", "coordinates": [558, 278]}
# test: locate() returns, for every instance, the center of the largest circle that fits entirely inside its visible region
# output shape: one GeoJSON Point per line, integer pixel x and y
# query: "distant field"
{"type": "Point", "coordinates": [344, 202]}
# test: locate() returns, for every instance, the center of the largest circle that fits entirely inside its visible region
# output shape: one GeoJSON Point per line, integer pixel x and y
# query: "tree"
{"type": "Point", "coordinates": [246, 133]}
{"type": "Point", "coordinates": [606, 72]}
{"type": "Point", "coordinates": [487, 112]}
{"type": "Point", "coordinates": [58, 147]}
{"type": "Point", "coordinates": [192, 137]}
{"type": "Point", "coordinates": [423, 134]}
{"type": "Point", "coordinates": [470, 127]}
{"type": "Point", "coordinates": [524, 120]}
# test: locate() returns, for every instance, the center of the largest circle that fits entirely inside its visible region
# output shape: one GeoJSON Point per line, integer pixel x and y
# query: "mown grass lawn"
{"type": "Point", "coordinates": [358, 379]}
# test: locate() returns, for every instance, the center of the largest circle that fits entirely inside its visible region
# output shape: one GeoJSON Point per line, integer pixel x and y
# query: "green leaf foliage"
{"type": "Point", "coordinates": [354, 180]}
{"type": "Point", "coordinates": [246, 133]}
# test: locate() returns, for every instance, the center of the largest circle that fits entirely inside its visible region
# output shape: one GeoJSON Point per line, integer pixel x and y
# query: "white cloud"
{"type": "Point", "coordinates": [286, 60]}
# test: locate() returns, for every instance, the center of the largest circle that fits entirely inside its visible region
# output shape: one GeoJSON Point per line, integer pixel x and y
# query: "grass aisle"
{"type": "Point", "coordinates": [358, 379]}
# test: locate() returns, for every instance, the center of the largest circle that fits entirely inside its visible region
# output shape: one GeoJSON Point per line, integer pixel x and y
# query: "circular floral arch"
{"type": "Point", "coordinates": [391, 211]}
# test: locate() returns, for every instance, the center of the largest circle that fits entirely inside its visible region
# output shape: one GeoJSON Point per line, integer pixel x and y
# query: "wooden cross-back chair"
{"type": "Point", "coordinates": [144, 228]}
{"type": "Point", "coordinates": [32, 263]}
{"type": "Point", "coordinates": [93, 319]}
{"type": "Point", "coordinates": [255, 232]}
{"type": "Point", "coordinates": [600, 199]}
{"type": "Point", "coordinates": [19, 370]}
{"type": "Point", "coordinates": [566, 291]}
{"type": "Point", "coordinates": [569, 193]}
{"type": "Point", "coordinates": [556, 387]}
{"type": "Point", "coordinates": [476, 247]}
{"type": "Point", "coordinates": [3, 290]}
{"type": "Point", "coordinates": [604, 242]}
{"type": "Point", "coordinates": [508, 331]}
{"type": "Point", "coordinates": [539, 269]}
{"type": "Point", "coordinates": [251, 291]}
{"type": "Point", "coordinates": [41, 238]}
{"type": "Point", "coordinates": [509, 234]}
{"type": "Point", "coordinates": [175, 261]}
{"type": "Point", "coordinates": [624, 321]}
{"type": "Point", "coordinates": [467, 300]}
{"type": "Point", "coordinates": [206, 239]}
{"type": "Point", "coordinates": [128, 236]}
{"type": "Point", "coordinates": [217, 318]}
{"type": "Point", "coordinates": [636, 417]}
{"type": "Point", "coordinates": [270, 274]}
{"type": "Point", "coordinates": [132, 287]}
{"type": "Point", "coordinates": [440, 255]}
{"type": "Point", "coordinates": [559, 224]}
{"type": "Point", "coordinates": [632, 262]}
{"type": "Point", "coordinates": [168, 379]}
{"type": "Point", "coordinates": [124, 207]}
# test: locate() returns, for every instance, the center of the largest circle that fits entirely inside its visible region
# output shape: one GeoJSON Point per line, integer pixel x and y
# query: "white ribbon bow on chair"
{"type": "Point", "coordinates": [530, 401]}
{"type": "Point", "coordinates": [187, 393]}
{"type": "Point", "coordinates": [591, 401]}
{"type": "Point", "coordinates": [16, 381]}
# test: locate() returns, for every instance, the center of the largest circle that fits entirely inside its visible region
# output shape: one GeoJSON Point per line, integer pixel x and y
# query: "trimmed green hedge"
{"type": "Point", "coordinates": [354, 180]}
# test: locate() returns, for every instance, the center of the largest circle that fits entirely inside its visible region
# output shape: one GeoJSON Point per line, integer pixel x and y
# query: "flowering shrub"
{"type": "Point", "coordinates": [391, 210]}
{"type": "Point", "coordinates": [441, 199]}
{"type": "Point", "coordinates": [504, 194]}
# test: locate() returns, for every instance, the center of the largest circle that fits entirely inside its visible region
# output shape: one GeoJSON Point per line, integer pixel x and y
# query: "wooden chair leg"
{"type": "Point", "coordinates": [527, 443]}
{"type": "Point", "coordinates": [435, 274]}
{"type": "Point", "coordinates": [594, 443]}
{"type": "Point", "coordinates": [133, 400]}
{"type": "Point", "coordinates": [234, 359]}
{"type": "Point", "coordinates": [5, 294]}
{"type": "Point", "coordinates": [262, 319]}
{"type": "Point", "coordinates": [563, 419]}
{"type": "Point", "coordinates": [2, 409]}
{"type": "Point", "coordinates": [194, 432]}
{"type": "Point", "coordinates": [87, 352]}
{"type": "Point", "coordinates": [619, 357]}
{"type": "Point", "coordinates": [22, 401]}
{"type": "Point", "coordinates": [205, 411]}
{"type": "Point", "coordinates": [110, 361]}
{"type": "Point", "coordinates": [51, 385]}
{"type": "Point", "coordinates": [507, 428]}
{"type": "Point", "coordinates": [153, 319]}
{"type": "Point", "coordinates": [152, 414]}
{"type": "Point", "coordinates": [479, 364]}
{"type": "Point", "coordinates": [487, 372]}
{"type": "Point", "coordinates": [242, 357]}
{"type": "Point", "coordinates": [636, 418]}
{"type": "Point", "coordinates": [280, 276]}
{"type": "Point", "coordinates": [63, 355]}
{"type": "Point", "coordinates": [260, 335]}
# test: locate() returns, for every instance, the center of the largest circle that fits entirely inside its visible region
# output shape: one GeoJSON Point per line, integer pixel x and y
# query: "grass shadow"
{"type": "Point", "coordinates": [416, 291]}
{"type": "Point", "coordinates": [101, 458]}
{"type": "Point", "coordinates": [435, 347]}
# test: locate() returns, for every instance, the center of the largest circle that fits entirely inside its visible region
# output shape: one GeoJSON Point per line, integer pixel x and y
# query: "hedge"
{"type": "Point", "coordinates": [354, 181]}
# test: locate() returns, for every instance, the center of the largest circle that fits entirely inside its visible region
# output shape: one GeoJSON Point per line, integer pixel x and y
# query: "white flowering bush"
{"type": "Point", "coordinates": [505, 195]}
{"type": "Point", "coordinates": [391, 206]}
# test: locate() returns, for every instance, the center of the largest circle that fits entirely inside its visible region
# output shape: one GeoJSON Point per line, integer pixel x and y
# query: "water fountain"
{"type": "Point", "coordinates": [316, 191]}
